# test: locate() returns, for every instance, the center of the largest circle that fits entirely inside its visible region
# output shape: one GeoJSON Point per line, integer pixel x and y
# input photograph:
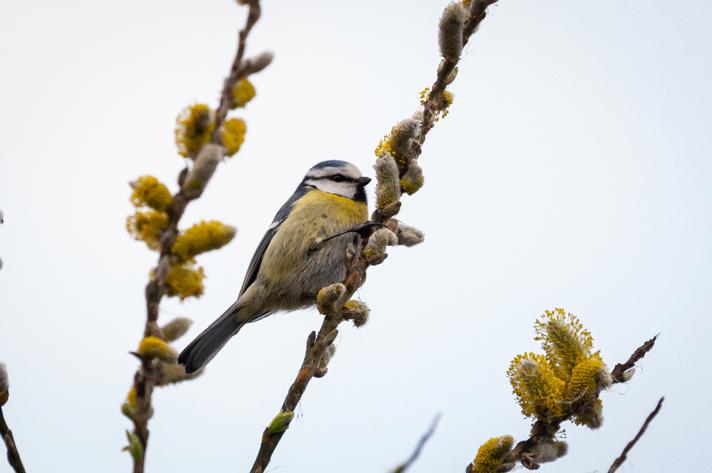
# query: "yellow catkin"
{"type": "Point", "coordinates": [233, 135]}
{"type": "Point", "coordinates": [564, 340]}
{"type": "Point", "coordinates": [149, 191]}
{"type": "Point", "coordinates": [154, 347]}
{"type": "Point", "coordinates": [539, 392]}
{"type": "Point", "coordinates": [242, 93]}
{"type": "Point", "coordinates": [588, 378]}
{"type": "Point", "coordinates": [201, 237]}
{"type": "Point", "coordinates": [183, 280]}
{"type": "Point", "coordinates": [491, 454]}
{"type": "Point", "coordinates": [193, 128]}
{"type": "Point", "coordinates": [147, 227]}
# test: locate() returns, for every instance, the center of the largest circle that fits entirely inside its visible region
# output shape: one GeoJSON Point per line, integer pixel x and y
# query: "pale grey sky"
{"type": "Point", "coordinates": [573, 170]}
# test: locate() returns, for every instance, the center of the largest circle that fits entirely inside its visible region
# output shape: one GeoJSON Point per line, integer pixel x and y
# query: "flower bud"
{"type": "Point", "coordinates": [280, 423]}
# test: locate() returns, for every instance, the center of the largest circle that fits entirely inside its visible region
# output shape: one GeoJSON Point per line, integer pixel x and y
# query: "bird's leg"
{"type": "Point", "coordinates": [363, 230]}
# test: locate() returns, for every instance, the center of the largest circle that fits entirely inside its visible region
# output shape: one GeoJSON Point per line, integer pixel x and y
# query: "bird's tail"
{"type": "Point", "coordinates": [206, 345]}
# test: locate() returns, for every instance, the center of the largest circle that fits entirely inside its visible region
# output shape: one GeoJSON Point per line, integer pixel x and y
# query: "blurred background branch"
{"type": "Point", "coordinates": [204, 137]}
{"type": "Point", "coordinates": [418, 448]}
{"type": "Point", "coordinates": [622, 458]}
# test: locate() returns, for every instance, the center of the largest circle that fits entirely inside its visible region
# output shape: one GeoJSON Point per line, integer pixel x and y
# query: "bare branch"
{"type": "Point", "coordinates": [419, 447]}
{"type": "Point", "coordinates": [622, 458]}
{"type": "Point", "coordinates": [618, 375]}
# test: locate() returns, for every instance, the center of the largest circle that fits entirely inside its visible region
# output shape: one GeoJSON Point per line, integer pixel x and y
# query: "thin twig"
{"type": "Point", "coordinates": [640, 352]}
{"type": "Point", "coordinates": [147, 376]}
{"type": "Point", "coordinates": [419, 447]}
{"type": "Point", "coordinates": [622, 458]}
{"type": "Point", "coordinates": [13, 456]}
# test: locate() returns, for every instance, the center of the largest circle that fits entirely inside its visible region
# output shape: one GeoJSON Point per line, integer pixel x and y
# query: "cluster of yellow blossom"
{"type": "Point", "coordinates": [242, 93]}
{"type": "Point", "coordinates": [233, 135]}
{"type": "Point", "coordinates": [201, 237]}
{"type": "Point", "coordinates": [193, 128]}
{"type": "Point", "coordinates": [490, 456]}
{"type": "Point", "coordinates": [149, 191]}
{"type": "Point", "coordinates": [147, 227]}
{"type": "Point", "coordinates": [567, 380]}
{"type": "Point", "coordinates": [185, 280]}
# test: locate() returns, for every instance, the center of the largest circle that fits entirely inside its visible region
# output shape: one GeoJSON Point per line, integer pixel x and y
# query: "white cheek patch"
{"type": "Point", "coordinates": [344, 189]}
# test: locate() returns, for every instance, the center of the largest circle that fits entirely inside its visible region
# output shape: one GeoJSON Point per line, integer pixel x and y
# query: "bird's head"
{"type": "Point", "coordinates": [338, 177]}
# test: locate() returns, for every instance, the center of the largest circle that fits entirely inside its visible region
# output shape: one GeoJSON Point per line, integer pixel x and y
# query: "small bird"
{"type": "Point", "coordinates": [303, 251]}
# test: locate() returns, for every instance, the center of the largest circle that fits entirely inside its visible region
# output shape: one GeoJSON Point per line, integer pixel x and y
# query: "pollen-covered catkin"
{"type": "Point", "coordinates": [357, 312]}
{"type": "Point", "coordinates": [233, 135]}
{"type": "Point", "coordinates": [147, 227]}
{"type": "Point", "coordinates": [450, 31]}
{"type": "Point", "coordinates": [193, 128]}
{"type": "Point", "coordinates": [413, 178]}
{"type": "Point", "coordinates": [203, 167]}
{"type": "Point", "coordinates": [490, 456]}
{"type": "Point", "coordinates": [184, 280]}
{"type": "Point", "coordinates": [148, 190]}
{"type": "Point", "coordinates": [154, 347]}
{"type": "Point", "coordinates": [388, 182]}
{"type": "Point", "coordinates": [201, 237]}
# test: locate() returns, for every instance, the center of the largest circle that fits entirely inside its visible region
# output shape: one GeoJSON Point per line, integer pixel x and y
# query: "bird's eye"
{"type": "Point", "coordinates": [339, 178]}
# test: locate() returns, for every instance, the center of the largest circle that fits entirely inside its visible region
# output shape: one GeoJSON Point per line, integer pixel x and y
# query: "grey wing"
{"type": "Point", "coordinates": [281, 216]}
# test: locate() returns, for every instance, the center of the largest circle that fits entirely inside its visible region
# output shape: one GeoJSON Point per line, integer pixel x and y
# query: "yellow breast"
{"type": "Point", "coordinates": [315, 216]}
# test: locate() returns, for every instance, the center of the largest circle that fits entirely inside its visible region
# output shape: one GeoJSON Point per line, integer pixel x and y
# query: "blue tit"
{"type": "Point", "coordinates": [297, 256]}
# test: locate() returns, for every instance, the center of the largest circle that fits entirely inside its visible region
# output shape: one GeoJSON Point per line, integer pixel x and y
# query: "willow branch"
{"type": "Point", "coordinates": [149, 373]}
{"type": "Point", "coordinates": [419, 447]}
{"type": "Point", "coordinates": [358, 263]}
{"type": "Point", "coordinates": [622, 458]}
{"type": "Point", "coordinates": [316, 349]}
{"type": "Point", "coordinates": [446, 71]}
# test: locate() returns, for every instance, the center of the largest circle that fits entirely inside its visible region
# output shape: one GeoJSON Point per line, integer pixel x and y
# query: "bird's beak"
{"type": "Point", "coordinates": [362, 181]}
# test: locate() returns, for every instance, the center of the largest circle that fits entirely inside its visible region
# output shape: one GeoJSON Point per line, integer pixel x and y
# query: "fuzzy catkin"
{"type": "Point", "coordinates": [450, 32]}
{"type": "Point", "coordinates": [204, 167]}
{"type": "Point", "coordinates": [388, 186]}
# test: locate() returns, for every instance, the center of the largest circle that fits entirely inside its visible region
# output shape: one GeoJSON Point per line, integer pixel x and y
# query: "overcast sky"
{"type": "Point", "coordinates": [574, 170]}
